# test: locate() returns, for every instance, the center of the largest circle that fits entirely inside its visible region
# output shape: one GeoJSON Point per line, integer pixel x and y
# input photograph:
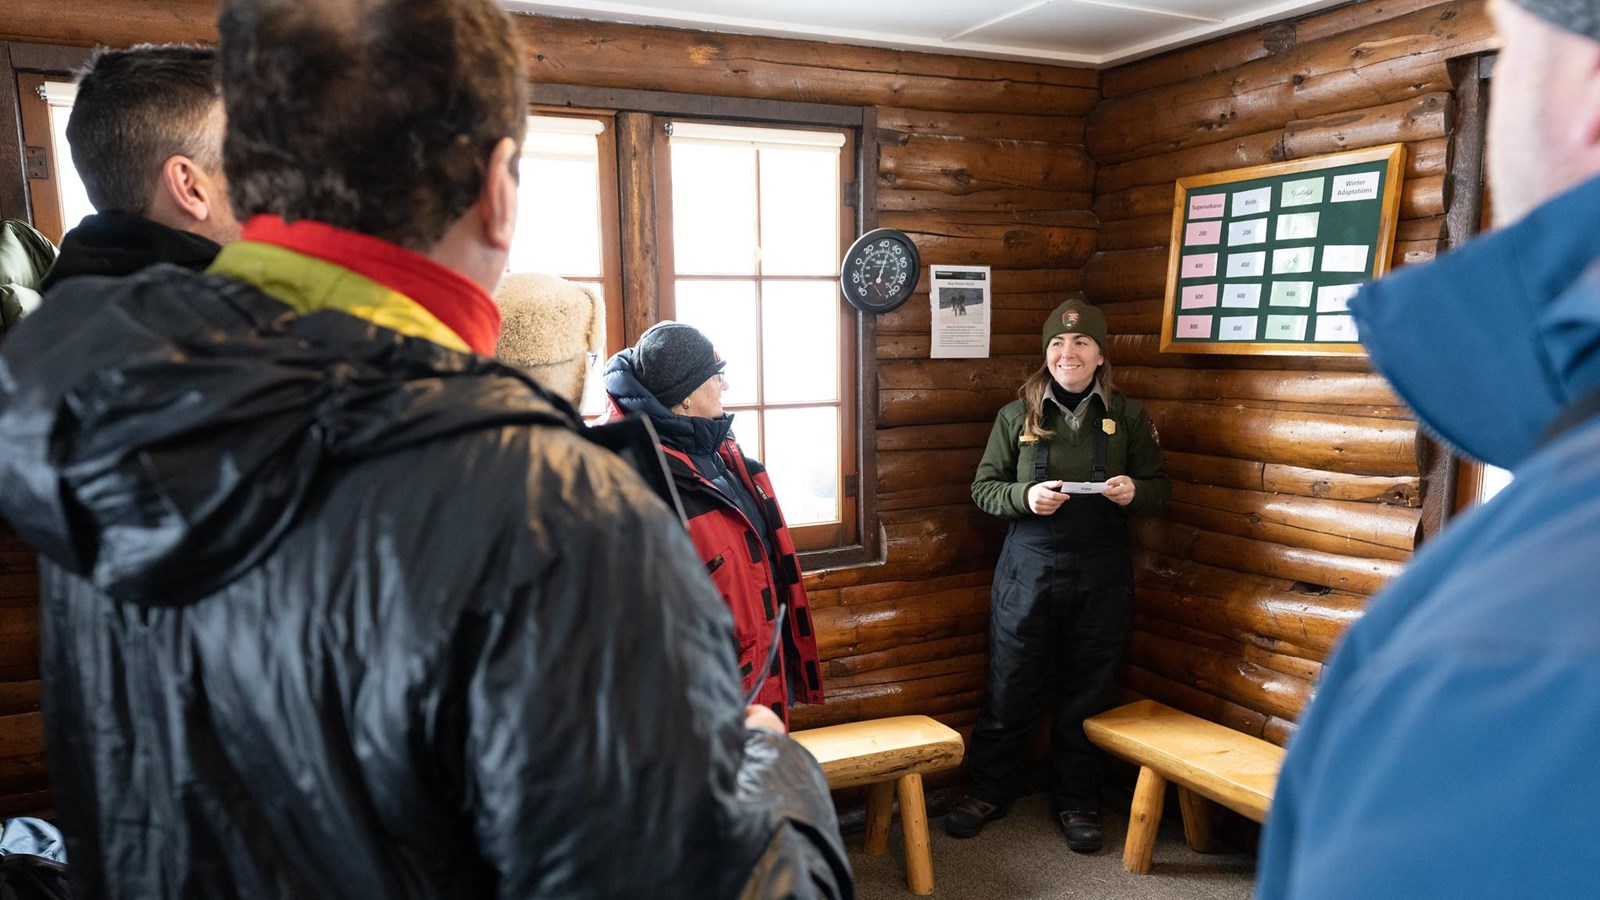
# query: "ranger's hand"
{"type": "Point", "coordinates": [1044, 498]}
{"type": "Point", "coordinates": [1119, 489]}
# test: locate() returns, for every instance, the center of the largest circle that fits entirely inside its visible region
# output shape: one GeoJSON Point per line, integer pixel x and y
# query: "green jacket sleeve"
{"type": "Point", "coordinates": [995, 487]}
{"type": "Point", "coordinates": [1151, 487]}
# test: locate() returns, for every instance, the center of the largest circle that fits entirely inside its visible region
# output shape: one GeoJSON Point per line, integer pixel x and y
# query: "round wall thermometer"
{"type": "Point", "coordinates": [880, 271]}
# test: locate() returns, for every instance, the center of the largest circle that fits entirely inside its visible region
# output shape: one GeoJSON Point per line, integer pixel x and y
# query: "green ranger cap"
{"type": "Point", "coordinates": [1075, 316]}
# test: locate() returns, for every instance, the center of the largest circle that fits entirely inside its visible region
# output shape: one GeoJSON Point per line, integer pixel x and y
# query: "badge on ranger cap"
{"type": "Point", "coordinates": [1069, 318]}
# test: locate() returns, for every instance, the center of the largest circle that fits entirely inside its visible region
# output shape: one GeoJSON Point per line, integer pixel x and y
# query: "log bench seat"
{"type": "Point", "coordinates": [889, 756]}
{"type": "Point", "coordinates": [1206, 760]}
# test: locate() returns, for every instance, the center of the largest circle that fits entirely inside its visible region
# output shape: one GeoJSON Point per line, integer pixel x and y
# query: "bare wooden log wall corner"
{"type": "Point", "coordinates": [1298, 481]}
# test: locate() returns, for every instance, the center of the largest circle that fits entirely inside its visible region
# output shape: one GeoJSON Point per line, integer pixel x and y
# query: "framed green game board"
{"type": "Point", "coordinates": [1265, 259]}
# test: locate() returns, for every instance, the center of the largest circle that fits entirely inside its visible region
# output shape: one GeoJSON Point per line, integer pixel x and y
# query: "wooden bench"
{"type": "Point", "coordinates": [889, 755]}
{"type": "Point", "coordinates": [1206, 760]}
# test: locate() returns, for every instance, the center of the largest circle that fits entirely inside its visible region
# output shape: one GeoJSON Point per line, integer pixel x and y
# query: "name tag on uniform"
{"type": "Point", "coordinates": [1109, 426]}
{"type": "Point", "coordinates": [1028, 439]}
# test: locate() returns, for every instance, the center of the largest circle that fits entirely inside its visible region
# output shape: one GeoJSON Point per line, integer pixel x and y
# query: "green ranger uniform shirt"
{"type": "Point", "coordinates": [1000, 487]}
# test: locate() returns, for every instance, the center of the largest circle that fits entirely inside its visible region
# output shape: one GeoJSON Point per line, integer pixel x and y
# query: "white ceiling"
{"type": "Point", "coordinates": [1073, 32]}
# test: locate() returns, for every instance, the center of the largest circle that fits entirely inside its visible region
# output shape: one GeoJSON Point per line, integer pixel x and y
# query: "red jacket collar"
{"type": "Point", "coordinates": [454, 299]}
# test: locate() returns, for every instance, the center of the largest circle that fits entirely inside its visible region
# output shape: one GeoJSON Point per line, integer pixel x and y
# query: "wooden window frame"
{"type": "Point", "coordinates": [610, 241]}
{"type": "Point", "coordinates": [647, 292]}
{"type": "Point", "coordinates": [22, 66]}
{"type": "Point", "coordinates": [808, 538]}
{"type": "Point", "coordinates": [1459, 480]}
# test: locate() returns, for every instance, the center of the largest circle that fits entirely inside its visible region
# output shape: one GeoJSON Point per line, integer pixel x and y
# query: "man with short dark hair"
{"type": "Point", "coordinates": [335, 604]}
{"type": "Point", "coordinates": [146, 138]}
{"type": "Point", "coordinates": [1450, 749]}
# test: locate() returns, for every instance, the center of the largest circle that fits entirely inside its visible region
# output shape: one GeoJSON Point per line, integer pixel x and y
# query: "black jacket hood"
{"type": "Point", "coordinates": [161, 458]}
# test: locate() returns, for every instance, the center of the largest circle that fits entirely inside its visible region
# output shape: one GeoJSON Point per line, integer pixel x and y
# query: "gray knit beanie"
{"type": "Point", "coordinates": [1577, 16]}
{"type": "Point", "coordinates": [672, 359]}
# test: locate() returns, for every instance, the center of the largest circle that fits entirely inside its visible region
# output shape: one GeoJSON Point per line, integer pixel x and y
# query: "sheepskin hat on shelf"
{"type": "Point", "coordinates": [552, 326]}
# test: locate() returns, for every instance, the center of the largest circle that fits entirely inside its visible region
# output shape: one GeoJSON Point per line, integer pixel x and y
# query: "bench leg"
{"type": "Point", "coordinates": [880, 805]}
{"type": "Point", "coordinates": [1196, 820]}
{"type": "Point", "coordinates": [1144, 820]}
{"type": "Point", "coordinates": [914, 819]}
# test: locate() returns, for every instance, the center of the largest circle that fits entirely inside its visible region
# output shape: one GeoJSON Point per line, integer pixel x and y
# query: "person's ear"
{"type": "Point", "coordinates": [497, 199]}
{"type": "Point", "coordinates": [1584, 117]}
{"type": "Point", "coordinates": [187, 188]}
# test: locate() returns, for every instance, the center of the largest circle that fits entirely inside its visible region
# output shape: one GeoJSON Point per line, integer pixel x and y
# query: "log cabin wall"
{"type": "Point", "coordinates": [1298, 482]}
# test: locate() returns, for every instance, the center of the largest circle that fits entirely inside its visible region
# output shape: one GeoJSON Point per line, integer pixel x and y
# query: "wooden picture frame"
{"type": "Point", "coordinates": [1263, 259]}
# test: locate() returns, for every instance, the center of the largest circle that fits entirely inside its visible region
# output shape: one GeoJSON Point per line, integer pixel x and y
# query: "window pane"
{"type": "Point", "coordinates": [800, 323]}
{"type": "Point", "coordinates": [803, 461]}
{"type": "Point", "coordinates": [800, 198]}
{"type": "Point", "coordinates": [747, 431]}
{"type": "Point", "coordinates": [726, 312]}
{"type": "Point", "coordinates": [713, 209]}
{"type": "Point", "coordinates": [558, 205]}
{"type": "Point", "coordinates": [74, 199]}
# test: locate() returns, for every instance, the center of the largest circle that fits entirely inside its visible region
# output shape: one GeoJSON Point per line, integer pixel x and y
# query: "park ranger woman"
{"type": "Point", "coordinates": [1067, 463]}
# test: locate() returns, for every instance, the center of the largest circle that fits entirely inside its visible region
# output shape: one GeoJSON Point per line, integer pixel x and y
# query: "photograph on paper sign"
{"type": "Point", "coordinates": [959, 301]}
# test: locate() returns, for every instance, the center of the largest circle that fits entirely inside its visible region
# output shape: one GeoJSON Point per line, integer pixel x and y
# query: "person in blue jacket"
{"type": "Point", "coordinates": [1449, 751]}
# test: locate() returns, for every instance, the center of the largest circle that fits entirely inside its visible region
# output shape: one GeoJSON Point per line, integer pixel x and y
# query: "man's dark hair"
{"type": "Point", "coordinates": [137, 107]}
{"type": "Point", "coordinates": [376, 116]}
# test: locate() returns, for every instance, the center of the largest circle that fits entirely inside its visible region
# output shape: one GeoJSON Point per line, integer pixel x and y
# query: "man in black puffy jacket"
{"type": "Point", "coordinates": [336, 605]}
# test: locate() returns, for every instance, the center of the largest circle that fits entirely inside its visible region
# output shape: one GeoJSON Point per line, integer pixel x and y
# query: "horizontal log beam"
{"type": "Point", "coordinates": [1265, 42]}
{"type": "Point", "coordinates": [1271, 612]}
{"type": "Point", "coordinates": [923, 545]}
{"type": "Point", "coordinates": [1229, 677]}
{"type": "Point", "coordinates": [1379, 63]}
{"type": "Point", "coordinates": [1193, 700]}
{"type": "Point", "coordinates": [1255, 528]}
{"type": "Point", "coordinates": [876, 627]}
{"type": "Point", "coordinates": [903, 470]}
{"type": "Point", "coordinates": [957, 238]}
{"type": "Point", "coordinates": [1126, 275]}
{"type": "Point", "coordinates": [1332, 443]}
{"type": "Point", "coordinates": [939, 667]}
{"type": "Point", "coordinates": [955, 693]}
{"type": "Point", "coordinates": [1311, 567]}
{"type": "Point", "coordinates": [993, 373]}
{"type": "Point", "coordinates": [934, 437]}
{"type": "Point", "coordinates": [958, 166]}
{"type": "Point", "coordinates": [936, 407]}
{"type": "Point", "coordinates": [1208, 639]}
{"type": "Point", "coordinates": [905, 345]}
{"type": "Point", "coordinates": [605, 54]}
{"type": "Point", "coordinates": [1423, 118]}
{"type": "Point", "coordinates": [994, 126]}
{"type": "Point", "coordinates": [1396, 527]}
{"type": "Point", "coordinates": [863, 666]}
{"type": "Point", "coordinates": [1255, 384]}
{"type": "Point", "coordinates": [1145, 350]}
{"type": "Point", "coordinates": [1255, 475]}
{"type": "Point", "coordinates": [1004, 200]}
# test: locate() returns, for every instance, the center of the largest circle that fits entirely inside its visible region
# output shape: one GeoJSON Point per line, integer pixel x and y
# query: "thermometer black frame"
{"type": "Point", "coordinates": [897, 295]}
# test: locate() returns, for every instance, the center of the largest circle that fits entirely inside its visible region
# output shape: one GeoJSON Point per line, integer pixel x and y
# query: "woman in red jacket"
{"type": "Point", "coordinates": [674, 376]}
